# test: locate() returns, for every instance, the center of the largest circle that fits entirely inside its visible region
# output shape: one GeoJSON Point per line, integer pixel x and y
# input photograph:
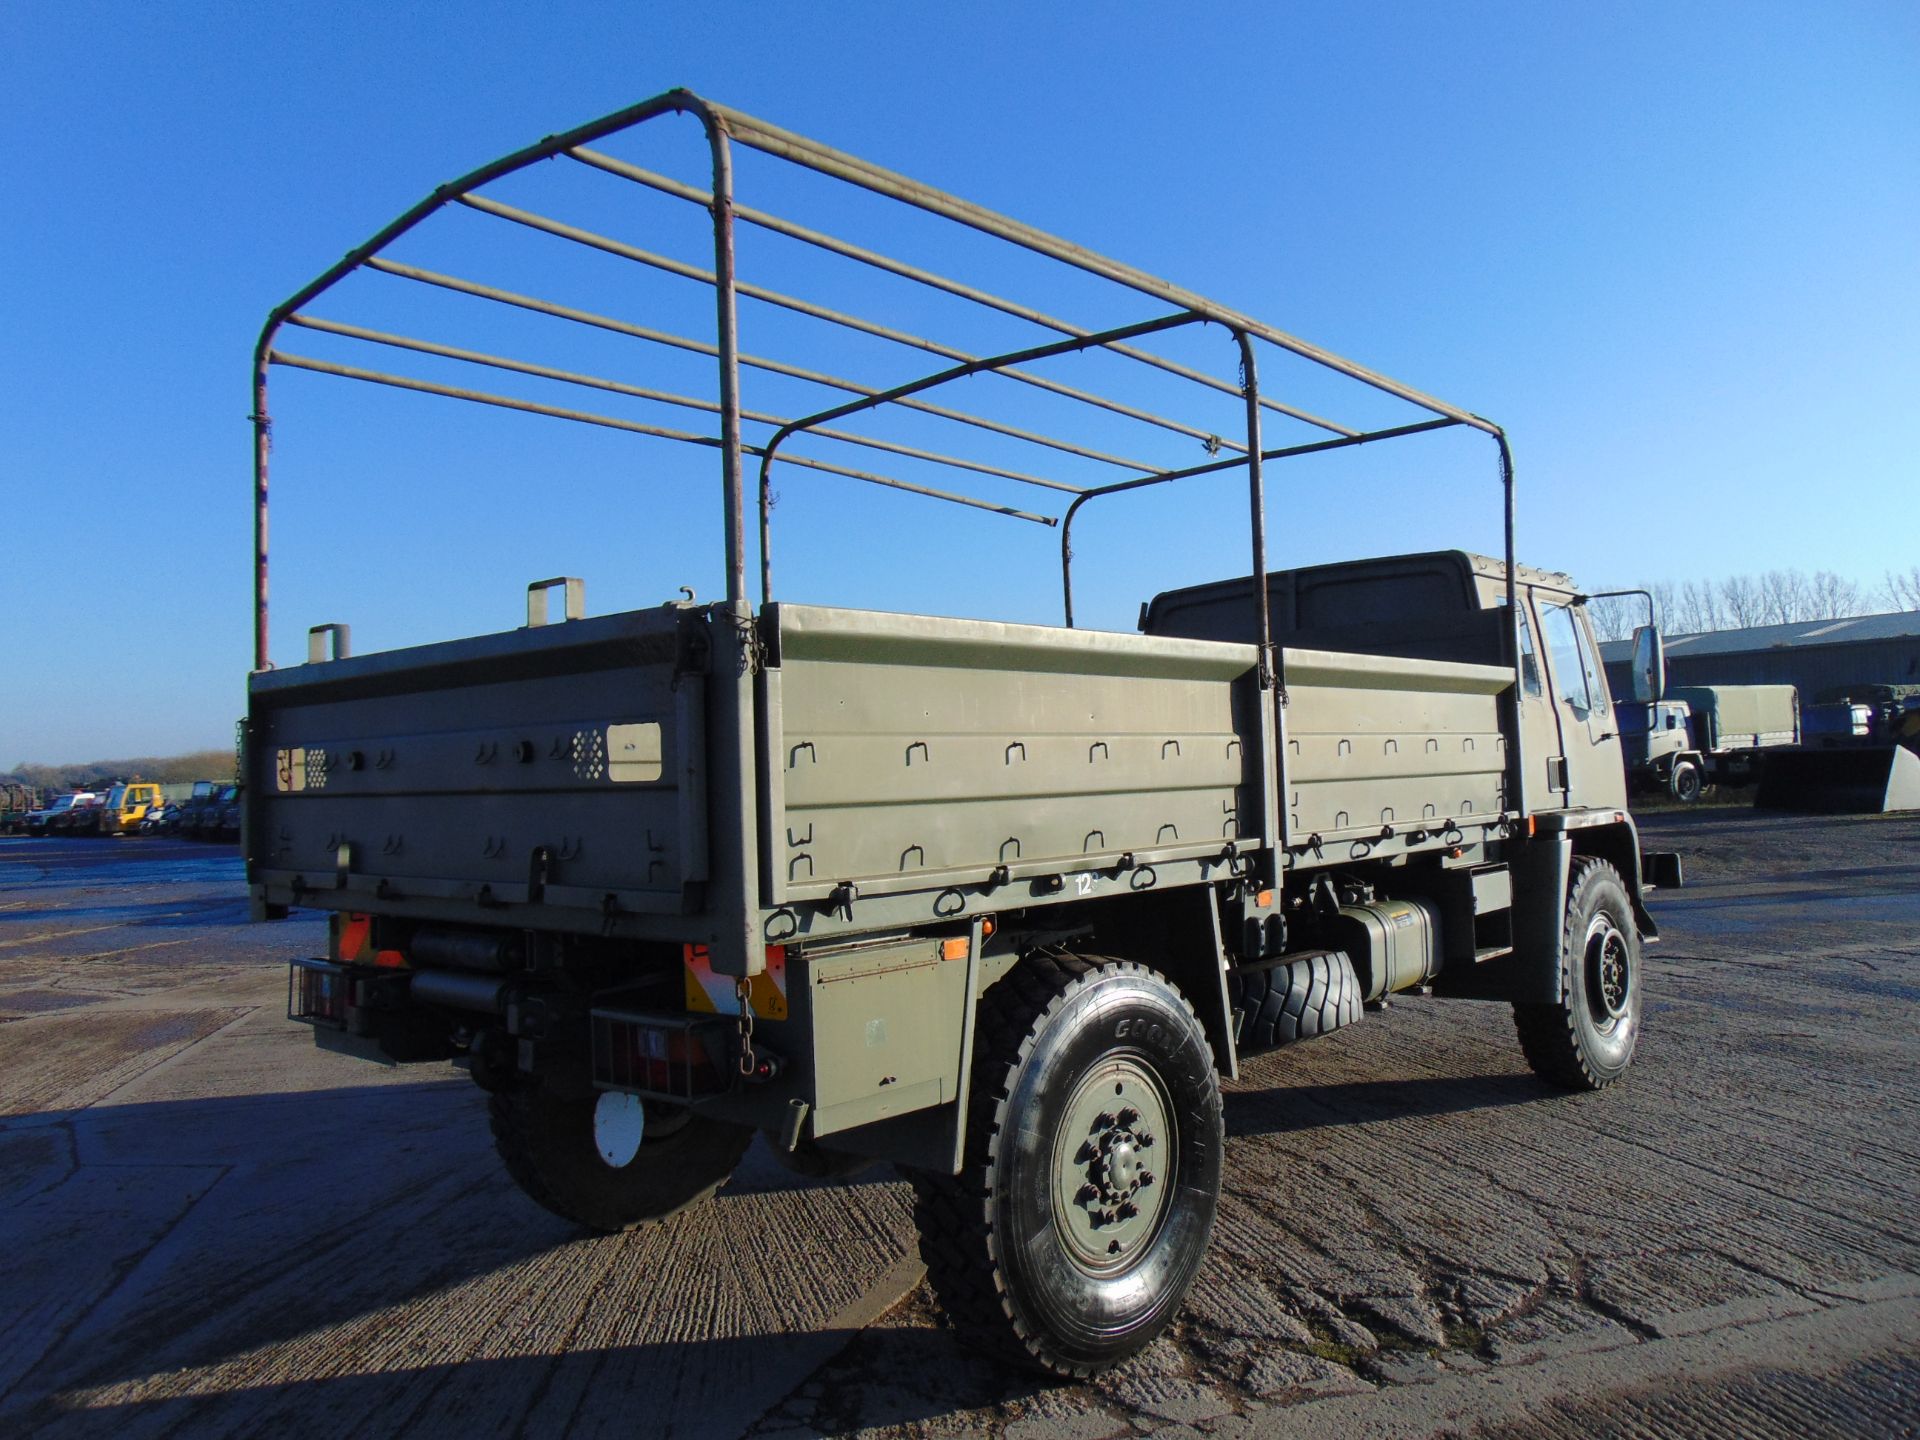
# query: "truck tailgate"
{"type": "Point", "coordinates": [558, 765]}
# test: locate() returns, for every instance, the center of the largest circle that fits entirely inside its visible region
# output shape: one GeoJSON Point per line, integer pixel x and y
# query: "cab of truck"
{"type": "Point", "coordinates": [126, 806]}
{"type": "Point", "coordinates": [1653, 734]}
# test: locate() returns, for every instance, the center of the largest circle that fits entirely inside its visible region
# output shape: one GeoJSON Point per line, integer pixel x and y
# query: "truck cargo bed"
{"type": "Point", "coordinates": [561, 770]}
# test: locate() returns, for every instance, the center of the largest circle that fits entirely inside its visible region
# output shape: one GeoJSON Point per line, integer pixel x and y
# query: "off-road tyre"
{"type": "Point", "coordinates": [1276, 1002]}
{"type": "Point", "coordinates": [1585, 1041]}
{"type": "Point", "coordinates": [544, 1134]}
{"type": "Point", "coordinates": [1686, 784]}
{"type": "Point", "coordinates": [1005, 1243]}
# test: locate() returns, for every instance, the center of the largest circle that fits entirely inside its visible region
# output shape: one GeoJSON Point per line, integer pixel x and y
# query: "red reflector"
{"type": "Point", "coordinates": [356, 937]}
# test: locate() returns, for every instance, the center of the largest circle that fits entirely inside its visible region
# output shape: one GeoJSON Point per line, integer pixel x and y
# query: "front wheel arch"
{"type": "Point", "coordinates": [1619, 846]}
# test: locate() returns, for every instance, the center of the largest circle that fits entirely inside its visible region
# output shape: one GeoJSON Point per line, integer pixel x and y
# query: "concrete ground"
{"type": "Point", "coordinates": [211, 1227]}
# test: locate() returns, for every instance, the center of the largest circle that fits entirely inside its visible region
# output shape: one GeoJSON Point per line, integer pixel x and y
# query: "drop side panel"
{"type": "Point", "coordinates": [1375, 741]}
{"type": "Point", "coordinates": [910, 750]}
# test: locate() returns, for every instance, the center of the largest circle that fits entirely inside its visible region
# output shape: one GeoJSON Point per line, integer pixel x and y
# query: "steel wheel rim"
{"type": "Point", "coordinates": [1114, 1157]}
{"type": "Point", "coordinates": [1609, 972]}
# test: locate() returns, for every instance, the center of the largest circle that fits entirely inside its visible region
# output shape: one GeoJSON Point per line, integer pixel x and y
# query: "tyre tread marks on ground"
{"type": "Point", "coordinates": [954, 1213]}
{"type": "Point", "coordinates": [1296, 1000]}
{"type": "Point", "coordinates": [1547, 1033]}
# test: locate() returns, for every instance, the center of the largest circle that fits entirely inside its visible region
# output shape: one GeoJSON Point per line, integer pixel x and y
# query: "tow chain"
{"type": "Point", "coordinates": [753, 646]}
{"type": "Point", "coordinates": [743, 992]}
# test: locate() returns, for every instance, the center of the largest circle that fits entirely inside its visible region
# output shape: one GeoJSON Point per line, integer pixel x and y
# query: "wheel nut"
{"type": "Point", "coordinates": [1128, 1211]}
{"type": "Point", "coordinates": [1129, 1117]}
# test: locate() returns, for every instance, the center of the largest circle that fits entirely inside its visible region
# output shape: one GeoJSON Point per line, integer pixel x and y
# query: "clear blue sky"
{"type": "Point", "coordinates": [1675, 250]}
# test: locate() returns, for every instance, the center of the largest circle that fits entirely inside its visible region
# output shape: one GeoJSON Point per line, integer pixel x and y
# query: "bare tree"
{"type": "Point", "coordinates": [1742, 601]}
{"type": "Point", "coordinates": [1903, 589]}
{"type": "Point", "coordinates": [1615, 616]}
{"type": "Point", "coordinates": [1777, 597]}
{"type": "Point", "coordinates": [1783, 597]}
{"type": "Point", "coordinates": [1832, 596]}
{"type": "Point", "coordinates": [1701, 603]}
{"type": "Point", "coordinates": [1667, 606]}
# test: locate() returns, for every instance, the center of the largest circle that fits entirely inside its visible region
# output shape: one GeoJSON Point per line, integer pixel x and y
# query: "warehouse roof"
{"type": "Point", "coordinates": [1895, 626]}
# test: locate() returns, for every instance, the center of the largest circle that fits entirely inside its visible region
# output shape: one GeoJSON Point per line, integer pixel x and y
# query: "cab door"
{"type": "Point", "coordinates": [1543, 773]}
{"type": "Point", "coordinates": [1589, 732]}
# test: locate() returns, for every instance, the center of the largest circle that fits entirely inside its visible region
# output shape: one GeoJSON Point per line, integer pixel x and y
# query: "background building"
{"type": "Point", "coordinates": [1815, 656]}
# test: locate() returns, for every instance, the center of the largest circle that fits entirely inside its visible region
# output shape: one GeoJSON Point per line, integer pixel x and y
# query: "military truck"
{"type": "Point", "coordinates": [998, 903]}
{"type": "Point", "coordinates": [16, 803]}
{"type": "Point", "coordinates": [1700, 735]}
{"type": "Point", "coordinates": [1862, 755]}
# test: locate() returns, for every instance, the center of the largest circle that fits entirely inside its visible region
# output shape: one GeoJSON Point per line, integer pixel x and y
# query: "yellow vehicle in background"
{"type": "Point", "coordinates": [127, 805]}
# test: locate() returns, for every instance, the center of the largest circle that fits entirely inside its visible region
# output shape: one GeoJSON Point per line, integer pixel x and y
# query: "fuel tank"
{"type": "Point", "coordinates": [1394, 944]}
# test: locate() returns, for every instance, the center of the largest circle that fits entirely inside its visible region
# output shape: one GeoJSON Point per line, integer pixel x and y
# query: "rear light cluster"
{"type": "Point", "coordinates": [674, 1057]}
{"type": "Point", "coordinates": [353, 943]}
{"type": "Point", "coordinates": [317, 993]}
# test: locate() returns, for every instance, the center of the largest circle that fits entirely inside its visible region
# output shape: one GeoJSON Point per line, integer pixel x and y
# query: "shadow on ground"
{"type": "Point", "coordinates": [201, 1245]}
{"type": "Point", "coordinates": [1253, 1110]}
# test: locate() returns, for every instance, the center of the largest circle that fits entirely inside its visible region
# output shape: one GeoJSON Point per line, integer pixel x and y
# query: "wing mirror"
{"type": "Point", "coordinates": [1649, 664]}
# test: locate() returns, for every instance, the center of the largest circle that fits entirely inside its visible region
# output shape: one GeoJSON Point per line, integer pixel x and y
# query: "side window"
{"type": "Point", "coordinates": [1569, 667]}
{"type": "Point", "coordinates": [1590, 660]}
{"type": "Point", "coordinates": [1529, 661]}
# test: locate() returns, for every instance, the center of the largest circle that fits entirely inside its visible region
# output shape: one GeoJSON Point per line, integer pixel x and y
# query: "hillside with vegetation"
{"type": "Point", "coordinates": [91, 774]}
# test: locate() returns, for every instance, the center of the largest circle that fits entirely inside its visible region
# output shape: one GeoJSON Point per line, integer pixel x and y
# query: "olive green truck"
{"type": "Point", "coordinates": [998, 903]}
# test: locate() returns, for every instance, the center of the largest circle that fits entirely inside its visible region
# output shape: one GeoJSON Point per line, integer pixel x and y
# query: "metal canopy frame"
{"type": "Point", "coordinates": [723, 128]}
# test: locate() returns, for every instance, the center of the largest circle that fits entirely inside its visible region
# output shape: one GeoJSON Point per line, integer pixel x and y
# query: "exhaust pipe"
{"type": "Point", "coordinates": [461, 992]}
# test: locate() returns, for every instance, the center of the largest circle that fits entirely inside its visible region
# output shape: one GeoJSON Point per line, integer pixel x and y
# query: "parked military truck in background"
{"type": "Point", "coordinates": [16, 803]}
{"type": "Point", "coordinates": [1701, 735]}
{"type": "Point", "coordinates": [1862, 755]}
{"type": "Point", "coordinates": [1841, 723]}
{"type": "Point", "coordinates": [998, 903]}
{"type": "Point", "coordinates": [1875, 714]}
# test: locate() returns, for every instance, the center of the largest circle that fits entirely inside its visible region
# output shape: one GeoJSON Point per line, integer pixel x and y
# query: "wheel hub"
{"type": "Point", "coordinates": [1113, 1155]}
{"type": "Point", "coordinates": [1609, 969]}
